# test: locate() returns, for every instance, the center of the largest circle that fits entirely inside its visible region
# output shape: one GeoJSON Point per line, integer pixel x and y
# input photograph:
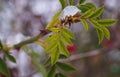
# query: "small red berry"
{"type": "Point", "coordinates": [71, 48]}
{"type": "Point", "coordinates": [107, 43]}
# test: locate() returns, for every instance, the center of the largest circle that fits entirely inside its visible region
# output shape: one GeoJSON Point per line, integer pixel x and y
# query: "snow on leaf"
{"type": "Point", "coordinates": [69, 11]}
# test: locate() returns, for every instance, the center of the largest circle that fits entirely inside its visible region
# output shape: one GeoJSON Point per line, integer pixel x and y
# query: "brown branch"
{"type": "Point", "coordinates": [83, 55]}
{"type": "Point", "coordinates": [90, 53]}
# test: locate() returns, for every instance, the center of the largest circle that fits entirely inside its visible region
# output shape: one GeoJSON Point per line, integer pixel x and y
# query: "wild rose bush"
{"type": "Point", "coordinates": [58, 43]}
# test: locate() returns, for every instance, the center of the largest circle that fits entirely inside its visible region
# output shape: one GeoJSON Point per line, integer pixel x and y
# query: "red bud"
{"type": "Point", "coordinates": [71, 48]}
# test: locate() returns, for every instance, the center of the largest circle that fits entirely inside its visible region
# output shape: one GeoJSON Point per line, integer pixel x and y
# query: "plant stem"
{"type": "Point", "coordinates": [31, 40]}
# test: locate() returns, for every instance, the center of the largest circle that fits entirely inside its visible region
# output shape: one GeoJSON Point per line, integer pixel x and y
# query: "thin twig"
{"type": "Point", "coordinates": [79, 56]}
{"type": "Point", "coordinates": [82, 55]}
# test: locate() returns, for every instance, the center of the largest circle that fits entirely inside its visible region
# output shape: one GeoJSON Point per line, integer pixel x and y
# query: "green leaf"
{"type": "Point", "coordinates": [90, 5]}
{"type": "Point", "coordinates": [54, 29]}
{"type": "Point", "coordinates": [1, 46]}
{"type": "Point", "coordinates": [65, 39]}
{"type": "Point", "coordinates": [87, 13]}
{"type": "Point", "coordinates": [63, 3]}
{"type": "Point", "coordinates": [51, 46]}
{"type": "Point", "coordinates": [55, 20]}
{"type": "Point", "coordinates": [62, 56]}
{"type": "Point", "coordinates": [100, 27]}
{"type": "Point", "coordinates": [33, 54]}
{"type": "Point", "coordinates": [100, 35]}
{"type": "Point", "coordinates": [39, 67]}
{"type": "Point", "coordinates": [106, 33]}
{"type": "Point", "coordinates": [3, 68]}
{"type": "Point", "coordinates": [65, 67]}
{"type": "Point", "coordinates": [61, 75]}
{"type": "Point", "coordinates": [83, 8]}
{"type": "Point", "coordinates": [47, 62]}
{"type": "Point", "coordinates": [84, 24]}
{"type": "Point", "coordinates": [97, 12]}
{"type": "Point", "coordinates": [86, 7]}
{"type": "Point", "coordinates": [106, 22]}
{"type": "Point", "coordinates": [70, 2]}
{"type": "Point", "coordinates": [10, 57]}
{"type": "Point", "coordinates": [102, 30]}
{"type": "Point", "coordinates": [63, 49]}
{"type": "Point", "coordinates": [57, 75]}
{"type": "Point", "coordinates": [82, 1]}
{"type": "Point", "coordinates": [51, 37]}
{"type": "Point", "coordinates": [68, 33]}
{"type": "Point", "coordinates": [54, 56]}
{"type": "Point", "coordinates": [96, 24]}
{"type": "Point", "coordinates": [51, 72]}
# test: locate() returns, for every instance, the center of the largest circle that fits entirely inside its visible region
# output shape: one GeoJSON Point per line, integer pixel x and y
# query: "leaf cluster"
{"type": "Point", "coordinates": [57, 44]}
{"type": "Point", "coordinates": [59, 66]}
